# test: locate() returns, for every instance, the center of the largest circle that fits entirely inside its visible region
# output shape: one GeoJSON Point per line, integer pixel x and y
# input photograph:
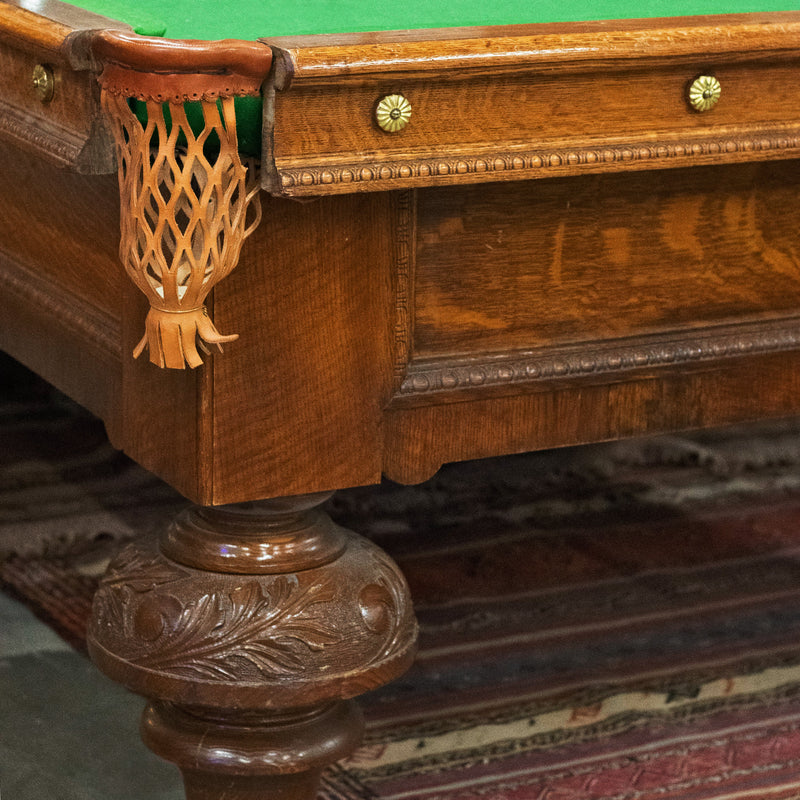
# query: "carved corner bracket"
{"type": "Point", "coordinates": [188, 198]}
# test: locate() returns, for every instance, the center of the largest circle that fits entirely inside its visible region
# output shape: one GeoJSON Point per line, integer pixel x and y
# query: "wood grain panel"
{"type": "Point", "coordinates": [70, 313]}
{"type": "Point", "coordinates": [532, 265]}
{"type": "Point", "coordinates": [298, 398]}
{"type": "Point", "coordinates": [61, 338]}
{"type": "Point", "coordinates": [60, 279]}
{"type": "Point", "coordinates": [165, 414]}
{"type": "Point", "coordinates": [531, 110]}
{"type": "Point", "coordinates": [66, 224]}
{"type": "Point", "coordinates": [420, 440]}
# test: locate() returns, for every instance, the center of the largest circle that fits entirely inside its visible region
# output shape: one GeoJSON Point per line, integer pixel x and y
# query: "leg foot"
{"type": "Point", "coordinates": [255, 756]}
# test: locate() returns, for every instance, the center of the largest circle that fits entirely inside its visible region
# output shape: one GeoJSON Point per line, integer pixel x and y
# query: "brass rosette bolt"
{"type": "Point", "coordinates": [704, 93]}
{"type": "Point", "coordinates": [393, 113]}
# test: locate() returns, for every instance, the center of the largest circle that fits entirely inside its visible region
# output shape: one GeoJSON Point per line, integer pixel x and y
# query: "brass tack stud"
{"type": "Point", "coordinates": [44, 83]}
{"type": "Point", "coordinates": [393, 113]}
{"type": "Point", "coordinates": [704, 93]}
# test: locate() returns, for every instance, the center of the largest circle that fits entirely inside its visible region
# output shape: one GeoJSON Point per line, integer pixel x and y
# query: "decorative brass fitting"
{"type": "Point", "coordinates": [704, 93]}
{"type": "Point", "coordinates": [44, 83]}
{"type": "Point", "coordinates": [393, 113]}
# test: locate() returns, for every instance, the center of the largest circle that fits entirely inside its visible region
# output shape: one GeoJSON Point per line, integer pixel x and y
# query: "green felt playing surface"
{"type": "Point", "coordinates": [251, 19]}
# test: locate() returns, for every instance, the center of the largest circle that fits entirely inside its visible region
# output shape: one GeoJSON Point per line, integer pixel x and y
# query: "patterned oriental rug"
{"type": "Point", "coordinates": [619, 622]}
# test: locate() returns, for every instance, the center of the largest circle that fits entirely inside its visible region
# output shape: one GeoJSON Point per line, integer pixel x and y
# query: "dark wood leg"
{"type": "Point", "coordinates": [250, 628]}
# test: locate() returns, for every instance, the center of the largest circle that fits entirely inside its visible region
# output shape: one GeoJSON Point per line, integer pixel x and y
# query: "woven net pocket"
{"type": "Point", "coordinates": [188, 203]}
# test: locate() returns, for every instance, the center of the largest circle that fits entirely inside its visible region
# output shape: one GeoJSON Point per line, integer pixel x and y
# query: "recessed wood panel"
{"type": "Point", "coordinates": [547, 263]}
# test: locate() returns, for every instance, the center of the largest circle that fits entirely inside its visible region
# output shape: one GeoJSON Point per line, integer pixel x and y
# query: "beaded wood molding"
{"type": "Point", "coordinates": [61, 145]}
{"type": "Point", "coordinates": [557, 161]}
{"type": "Point", "coordinates": [188, 200]}
{"type": "Point", "coordinates": [428, 379]}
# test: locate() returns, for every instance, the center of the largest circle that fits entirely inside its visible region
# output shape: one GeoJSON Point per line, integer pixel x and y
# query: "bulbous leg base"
{"type": "Point", "coordinates": [250, 628]}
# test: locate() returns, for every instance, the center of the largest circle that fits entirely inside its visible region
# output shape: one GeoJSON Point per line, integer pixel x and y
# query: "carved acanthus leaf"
{"type": "Point", "coordinates": [161, 618]}
{"type": "Point", "coordinates": [271, 631]}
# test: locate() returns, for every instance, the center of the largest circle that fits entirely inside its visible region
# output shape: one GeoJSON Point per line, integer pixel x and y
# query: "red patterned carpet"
{"type": "Point", "coordinates": [619, 622]}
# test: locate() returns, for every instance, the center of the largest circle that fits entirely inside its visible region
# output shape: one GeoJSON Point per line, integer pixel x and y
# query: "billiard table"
{"type": "Point", "coordinates": [312, 254]}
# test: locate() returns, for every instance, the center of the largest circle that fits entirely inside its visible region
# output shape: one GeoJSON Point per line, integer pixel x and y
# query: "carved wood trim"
{"type": "Point", "coordinates": [271, 640]}
{"type": "Point", "coordinates": [403, 274]}
{"type": "Point", "coordinates": [62, 145]}
{"type": "Point", "coordinates": [86, 152]}
{"type": "Point", "coordinates": [248, 667]}
{"type": "Point", "coordinates": [609, 361]}
{"type": "Point", "coordinates": [555, 160]}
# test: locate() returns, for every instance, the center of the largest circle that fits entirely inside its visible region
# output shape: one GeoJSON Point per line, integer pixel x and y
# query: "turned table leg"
{"type": "Point", "coordinates": [249, 628]}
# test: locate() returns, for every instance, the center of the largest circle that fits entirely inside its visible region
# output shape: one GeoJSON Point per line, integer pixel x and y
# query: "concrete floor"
{"type": "Point", "coordinates": [66, 732]}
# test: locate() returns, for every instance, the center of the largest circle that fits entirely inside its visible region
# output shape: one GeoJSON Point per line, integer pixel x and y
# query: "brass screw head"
{"type": "Point", "coordinates": [393, 113]}
{"type": "Point", "coordinates": [44, 83]}
{"type": "Point", "coordinates": [704, 93]}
